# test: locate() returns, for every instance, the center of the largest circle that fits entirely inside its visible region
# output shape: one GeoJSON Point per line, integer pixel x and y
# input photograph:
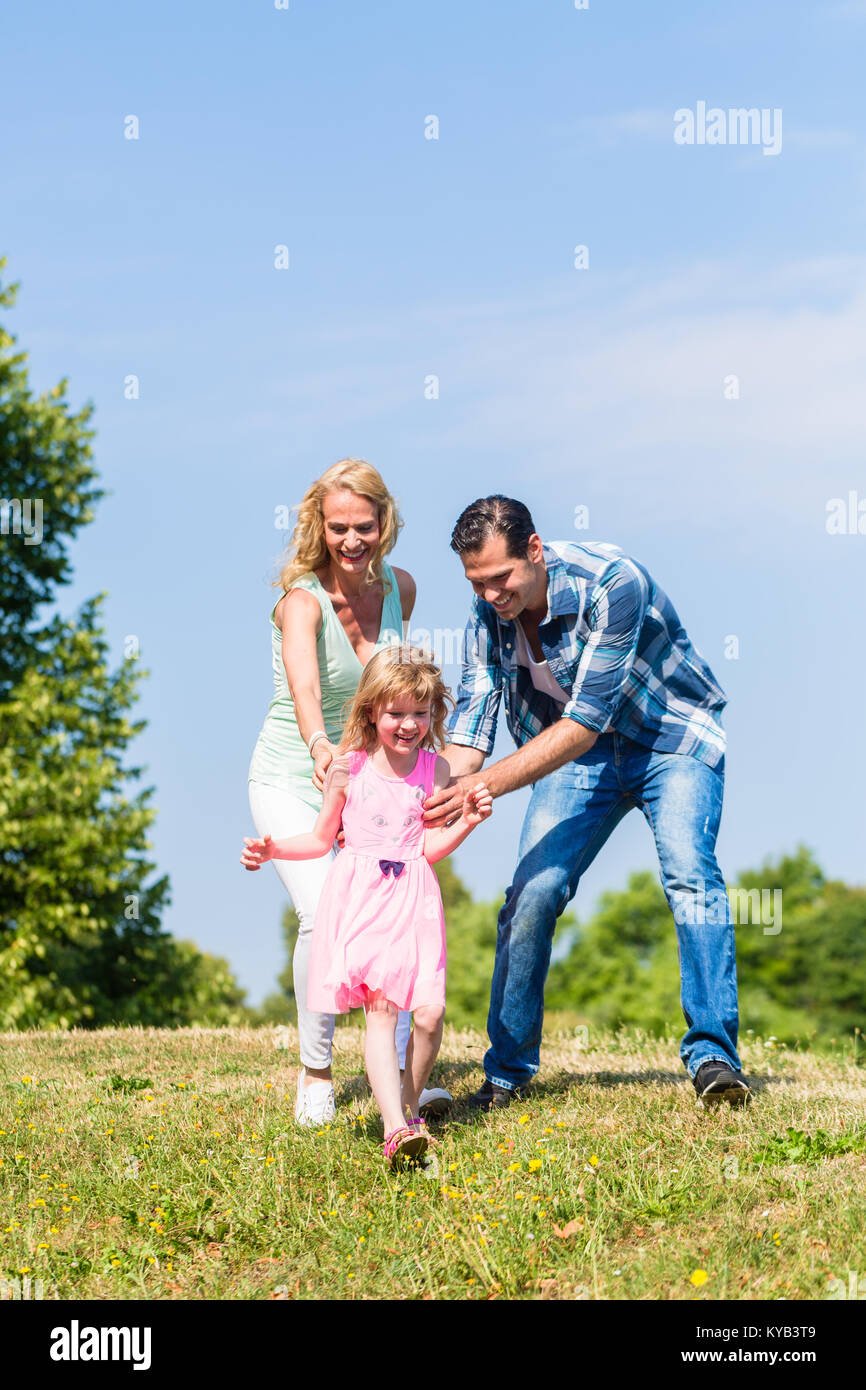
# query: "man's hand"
{"type": "Point", "coordinates": [446, 804]}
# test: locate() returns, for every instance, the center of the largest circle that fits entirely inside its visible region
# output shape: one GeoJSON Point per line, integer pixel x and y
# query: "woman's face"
{"type": "Point", "coordinates": [351, 531]}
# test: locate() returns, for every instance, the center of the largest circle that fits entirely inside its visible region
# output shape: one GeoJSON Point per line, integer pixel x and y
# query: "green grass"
{"type": "Point", "coordinates": [155, 1164]}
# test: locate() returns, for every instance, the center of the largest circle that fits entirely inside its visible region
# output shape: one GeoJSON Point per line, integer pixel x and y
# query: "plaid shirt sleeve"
{"type": "Point", "coordinates": [615, 617]}
{"type": "Point", "coordinates": [473, 721]}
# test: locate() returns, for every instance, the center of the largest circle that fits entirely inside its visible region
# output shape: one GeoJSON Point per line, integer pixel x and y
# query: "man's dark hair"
{"type": "Point", "coordinates": [489, 516]}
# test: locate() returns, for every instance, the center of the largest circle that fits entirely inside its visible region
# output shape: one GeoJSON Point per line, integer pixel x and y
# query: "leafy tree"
{"type": "Point", "coordinates": [809, 978]}
{"type": "Point", "coordinates": [80, 936]}
{"type": "Point", "coordinates": [46, 470]}
{"type": "Point", "coordinates": [279, 1007]}
{"type": "Point", "coordinates": [622, 966]}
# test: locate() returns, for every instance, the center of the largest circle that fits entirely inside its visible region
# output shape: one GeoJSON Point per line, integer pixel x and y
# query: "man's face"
{"type": "Point", "coordinates": [509, 583]}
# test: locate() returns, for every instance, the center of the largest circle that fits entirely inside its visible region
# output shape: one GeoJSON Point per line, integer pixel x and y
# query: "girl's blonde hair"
{"type": "Point", "coordinates": [396, 670]}
{"type": "Point", "coordinates": [307, 549]}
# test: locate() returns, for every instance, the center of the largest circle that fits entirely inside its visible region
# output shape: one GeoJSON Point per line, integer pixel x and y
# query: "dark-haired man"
{"type": "Point", "coordinates": [611, 707]}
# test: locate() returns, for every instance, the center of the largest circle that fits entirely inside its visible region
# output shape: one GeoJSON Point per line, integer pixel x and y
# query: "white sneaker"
{"type": "Point", "coordinates": [434, 1102]}
{"type": "Point", "coordinates": [315, 1103]}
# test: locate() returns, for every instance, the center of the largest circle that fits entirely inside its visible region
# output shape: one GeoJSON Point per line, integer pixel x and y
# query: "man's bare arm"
{"type": "Point", "coordinates": [559, 744]}
{"type": "Point", "coordinates": [462, 760]}
{"type": "Point", "coordinates": [554, 746]}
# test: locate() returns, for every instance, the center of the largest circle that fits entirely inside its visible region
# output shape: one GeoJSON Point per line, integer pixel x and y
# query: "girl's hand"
{"type": "Point", "coordinates": [257, 852]}
{"type": "Point", "coordinates": [323, 756]}
{"type": "Point", "coordinates": [478, 805]}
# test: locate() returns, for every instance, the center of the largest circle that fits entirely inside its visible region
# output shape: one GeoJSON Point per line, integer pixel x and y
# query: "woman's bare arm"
{"type": "Point", "coordinates": [301, 619]}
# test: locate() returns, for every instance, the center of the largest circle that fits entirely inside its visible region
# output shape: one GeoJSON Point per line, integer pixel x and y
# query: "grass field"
{"type": "Point", "coordinates": [159, 1165]}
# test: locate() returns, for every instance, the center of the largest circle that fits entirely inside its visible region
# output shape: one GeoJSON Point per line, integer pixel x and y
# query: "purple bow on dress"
{"type": "Point", "coordinates": [394, 865]}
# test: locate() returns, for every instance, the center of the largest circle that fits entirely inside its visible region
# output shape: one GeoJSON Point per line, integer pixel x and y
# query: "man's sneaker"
{"type": "Point", "coordinates": [315, 1103]}
{"type": "Point", "coordinates": [435, 1102]}
{"type": "Point", "coordinates": [716, 1081]}
{"type": "Point", "coordinates": [493, 1097]}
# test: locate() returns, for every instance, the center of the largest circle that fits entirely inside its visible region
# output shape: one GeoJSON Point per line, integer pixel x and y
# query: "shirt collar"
{"type": "Point", "coordinates": [562, 595]}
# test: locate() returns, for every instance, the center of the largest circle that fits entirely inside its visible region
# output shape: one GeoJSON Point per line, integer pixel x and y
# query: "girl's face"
{"type": "Point", "coordinates": [351, 526]}
{"type": "Point", "coordinates": [402, 723]}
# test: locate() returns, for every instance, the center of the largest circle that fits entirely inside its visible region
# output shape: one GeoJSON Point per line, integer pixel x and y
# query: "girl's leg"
{"type": "Point", "coordinates": [421, 1053]}
{"type": "Point", "coordinates": [380, 1055]}
{"type": "Point", "coordinates": [282, 814]}
{"type": "Point", "coordinates": [404, 1027]}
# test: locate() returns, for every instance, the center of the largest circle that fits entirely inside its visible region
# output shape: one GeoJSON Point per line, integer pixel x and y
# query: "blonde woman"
{"type": "Point", "coordinates": [341, 599]}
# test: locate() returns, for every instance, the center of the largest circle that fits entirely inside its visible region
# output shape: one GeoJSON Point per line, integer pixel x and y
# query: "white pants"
{"type": "Point", "coordinates": [281, 814]}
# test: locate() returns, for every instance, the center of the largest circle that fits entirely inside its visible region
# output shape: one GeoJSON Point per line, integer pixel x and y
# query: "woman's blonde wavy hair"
{"type": "Point", "coordinates": [307, 549]}
{"type": "Point", "coordinates": [396, 670]}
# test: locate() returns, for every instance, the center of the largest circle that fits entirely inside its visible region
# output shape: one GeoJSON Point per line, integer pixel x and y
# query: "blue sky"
{"type": "Point", "coordinates": [410, 257]}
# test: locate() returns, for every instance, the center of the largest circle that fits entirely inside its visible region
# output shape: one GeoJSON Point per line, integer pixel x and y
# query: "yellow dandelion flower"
{"type": "Point", "coordinates": [593, 1158]}
{"type": "Point", "coordinates": [534, 1165]}
{"type": "Point", "coordinates": [698, 1277]}
{"type": "Point", "coordinates": [524, 1120]}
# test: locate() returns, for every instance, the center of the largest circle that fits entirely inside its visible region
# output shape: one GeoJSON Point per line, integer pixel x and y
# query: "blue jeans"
{"type": "Point", "coordinates": [571, 813]}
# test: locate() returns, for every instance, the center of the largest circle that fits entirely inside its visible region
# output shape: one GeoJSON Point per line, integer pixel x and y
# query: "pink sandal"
{"type": "Point", "coordinates": [419, 1124]}
{"type": "Point", "coordinates": [404, 1144]}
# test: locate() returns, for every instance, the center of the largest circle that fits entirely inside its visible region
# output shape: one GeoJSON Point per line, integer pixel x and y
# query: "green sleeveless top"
{"type": "Point", "coordinates": [280, 757]}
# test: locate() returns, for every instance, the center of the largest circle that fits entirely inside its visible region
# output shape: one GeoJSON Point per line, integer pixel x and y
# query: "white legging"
{"type": "Point", "coordinates": [280, 814]}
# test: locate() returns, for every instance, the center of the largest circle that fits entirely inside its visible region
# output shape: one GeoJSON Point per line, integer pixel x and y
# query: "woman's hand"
{"type": "Point", "coordinates": [323, 756]}
{"type": "Point", "coordinates": [257, 852]}
{"type": "Point", "coordinates": [478, 805]}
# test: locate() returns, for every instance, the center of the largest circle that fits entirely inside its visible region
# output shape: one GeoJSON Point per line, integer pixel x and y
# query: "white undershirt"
{"type": "Point", "coordinates": [540, 673]}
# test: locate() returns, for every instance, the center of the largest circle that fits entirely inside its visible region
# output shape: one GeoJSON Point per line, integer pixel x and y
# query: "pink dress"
{"type": "Point", "coordinates": [379, 923]}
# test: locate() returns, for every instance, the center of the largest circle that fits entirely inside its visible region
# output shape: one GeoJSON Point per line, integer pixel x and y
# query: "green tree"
{"type": "Point", "coordinates": [47, 493]}
{"type": "Point", "coordinates": [622, 966]}
{"type": "Point", "coordinates": [807, 978]}
{"type": "Point", "coordinates": [80, 936]}
{"type": "Point", "coordinates": [279, 1006]}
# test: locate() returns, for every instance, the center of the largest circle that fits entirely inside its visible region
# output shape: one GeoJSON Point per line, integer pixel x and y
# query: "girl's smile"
{"type": "Point", "coordinates": [402, 725]}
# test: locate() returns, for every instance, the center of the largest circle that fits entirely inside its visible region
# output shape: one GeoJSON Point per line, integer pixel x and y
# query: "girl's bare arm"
{"type": "Point", "coordinates": [442, 841]}
{"type": "Point", "coordinates": [319, 840]}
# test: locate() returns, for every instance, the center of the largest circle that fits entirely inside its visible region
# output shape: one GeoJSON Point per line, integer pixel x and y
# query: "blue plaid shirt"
{"type": "Point", "coordinates": [612, 639]}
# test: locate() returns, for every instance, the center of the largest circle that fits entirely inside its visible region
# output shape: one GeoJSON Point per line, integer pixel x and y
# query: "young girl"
{"type": "Point", "coordinates": [379, 933]}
